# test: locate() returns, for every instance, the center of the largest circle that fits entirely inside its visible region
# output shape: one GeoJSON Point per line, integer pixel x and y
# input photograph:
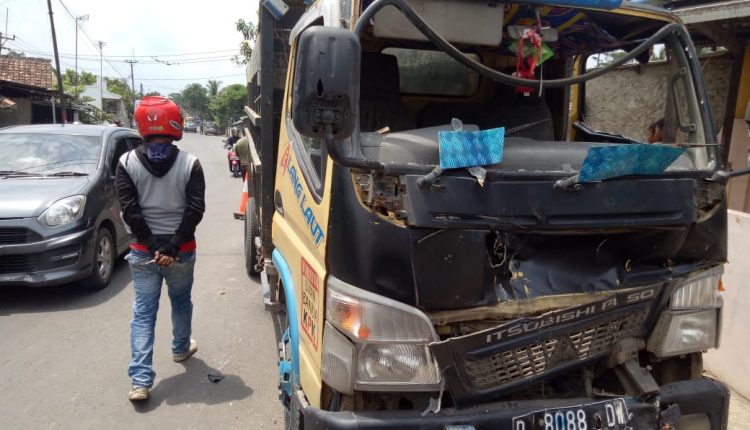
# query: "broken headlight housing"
{"type": "Point", "coordinates": [692, 322]}
{"type": "Point", "coordinates": [372, 343]}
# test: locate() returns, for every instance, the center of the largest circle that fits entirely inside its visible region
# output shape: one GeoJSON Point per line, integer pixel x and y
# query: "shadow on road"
{"type": "Point", "coordinates": [193, 386]}
{"type": "Point", "coordinates": [17, 300]}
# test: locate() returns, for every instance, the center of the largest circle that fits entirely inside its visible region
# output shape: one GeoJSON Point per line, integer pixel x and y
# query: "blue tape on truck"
{"type": "Point", "coordinates": [471, 148]}
{"type": "Point", "coordinates": [611, 161]}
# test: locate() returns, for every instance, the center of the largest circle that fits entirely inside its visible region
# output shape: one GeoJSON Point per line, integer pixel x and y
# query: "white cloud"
{"type": "Point", "coordinates": [145, 27]}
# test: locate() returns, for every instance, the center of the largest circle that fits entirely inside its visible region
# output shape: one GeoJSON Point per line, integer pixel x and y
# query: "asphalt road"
{"type": "Point", "coordinates": [64, 352]}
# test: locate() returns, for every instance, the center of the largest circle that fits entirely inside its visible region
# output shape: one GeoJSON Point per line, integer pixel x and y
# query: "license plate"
{"type": "Point", "coordinates": [606, 415]}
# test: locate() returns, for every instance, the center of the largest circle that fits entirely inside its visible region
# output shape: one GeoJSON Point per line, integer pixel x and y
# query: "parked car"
{"type": "Point", "coordinates": [211, 129]}
{"type": "Point", "coordinates": [190, 127]}
{"type": "Point", "coordinates": [59, 216]}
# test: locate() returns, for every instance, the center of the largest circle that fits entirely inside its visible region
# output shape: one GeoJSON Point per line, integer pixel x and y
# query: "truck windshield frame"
{"type": "Point", "coordinates": [701, 140]}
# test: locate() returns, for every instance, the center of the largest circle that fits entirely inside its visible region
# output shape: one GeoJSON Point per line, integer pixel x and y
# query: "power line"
{"type": "Point", "coordinates": [191, 79]}
{"type": "Point", "coordinates": [96, 59]}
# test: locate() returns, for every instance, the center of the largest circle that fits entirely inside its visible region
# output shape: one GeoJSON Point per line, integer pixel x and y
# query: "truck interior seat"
{"type": "Point", "coordinates": [506, 109]}
{"type": "Point", "coordinates": [380, 103]}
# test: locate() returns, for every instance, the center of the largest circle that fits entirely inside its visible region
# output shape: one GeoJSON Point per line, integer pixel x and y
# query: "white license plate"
{"type": "Point", "coordinates": [605, 415]}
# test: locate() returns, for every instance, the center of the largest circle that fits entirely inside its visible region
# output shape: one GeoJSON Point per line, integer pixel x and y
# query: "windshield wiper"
{"type": "Point", "coordinates": [16, 173]}
{"type": "Point", "coordinates": [67, 174]}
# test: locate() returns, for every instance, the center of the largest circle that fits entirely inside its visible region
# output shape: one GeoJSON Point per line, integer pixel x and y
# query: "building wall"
{"type": "Point", "coordinates": [628, 100]}
{"type": "Point", "coordinates": [20, 116]}
{"type": "Point", "coordinates": [730, 362]}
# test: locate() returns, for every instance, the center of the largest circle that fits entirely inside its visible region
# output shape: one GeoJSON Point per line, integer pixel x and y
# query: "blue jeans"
{"type": "Point", "coordinates": [147, 282]}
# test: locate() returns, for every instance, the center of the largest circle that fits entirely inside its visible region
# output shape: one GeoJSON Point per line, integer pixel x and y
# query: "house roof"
{"type": "Point", "coordinates": [33, 72]}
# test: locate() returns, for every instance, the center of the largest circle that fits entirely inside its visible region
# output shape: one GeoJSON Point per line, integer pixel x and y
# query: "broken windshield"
{"type": "Point", "coordinates": [652, 99]}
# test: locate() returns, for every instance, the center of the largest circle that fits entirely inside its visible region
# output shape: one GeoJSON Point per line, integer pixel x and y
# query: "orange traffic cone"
{"type": "Point", "coordinates": [243, 201]}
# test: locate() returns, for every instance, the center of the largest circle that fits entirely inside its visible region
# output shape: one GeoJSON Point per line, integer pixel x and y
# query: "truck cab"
{"type": "Point", "coordinates": [465, 221]}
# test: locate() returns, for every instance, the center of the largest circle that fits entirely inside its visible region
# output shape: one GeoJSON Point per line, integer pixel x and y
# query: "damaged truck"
{"type": "Point", "coordinates": [459, 223]}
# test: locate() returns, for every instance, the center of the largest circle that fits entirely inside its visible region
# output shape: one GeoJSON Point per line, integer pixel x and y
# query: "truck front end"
{"type": "Point", "coordinates": [574, 283]}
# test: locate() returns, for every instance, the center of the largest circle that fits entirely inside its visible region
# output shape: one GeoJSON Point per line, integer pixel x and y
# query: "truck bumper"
{"type": "Point", "coordinates": [703, 404]}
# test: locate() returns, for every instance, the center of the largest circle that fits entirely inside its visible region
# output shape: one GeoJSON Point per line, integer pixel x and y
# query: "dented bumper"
{"type": "Point", "coordinates": [701, 401]}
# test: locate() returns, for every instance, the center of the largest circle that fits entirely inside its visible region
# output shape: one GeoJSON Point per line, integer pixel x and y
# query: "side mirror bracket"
{"type": "Point", "coordinates": [722, 176]}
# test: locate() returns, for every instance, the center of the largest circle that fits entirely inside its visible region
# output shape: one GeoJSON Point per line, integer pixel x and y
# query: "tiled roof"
{"type": "Point", "coordinates": [35, 72]}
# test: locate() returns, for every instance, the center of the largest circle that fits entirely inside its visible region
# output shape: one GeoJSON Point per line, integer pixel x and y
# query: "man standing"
{"type": "Point", "coordinates": [161, 190]}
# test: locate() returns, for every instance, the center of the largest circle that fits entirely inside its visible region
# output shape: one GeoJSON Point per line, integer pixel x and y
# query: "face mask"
{"type": "Point", "coordinates": [159, 152]}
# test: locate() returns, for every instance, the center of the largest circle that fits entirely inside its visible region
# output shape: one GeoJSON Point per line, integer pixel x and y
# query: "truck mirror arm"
{"type": "Point", "coordinates": [722, 176]}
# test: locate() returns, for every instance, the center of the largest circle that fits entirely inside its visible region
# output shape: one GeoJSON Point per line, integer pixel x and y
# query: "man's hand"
{"type": "Point", "coordinates": [163, 260]}
{"type": "Point", "coordinates": [165, 255]}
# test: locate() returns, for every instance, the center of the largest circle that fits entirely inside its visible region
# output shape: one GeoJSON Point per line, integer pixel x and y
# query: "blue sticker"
{"type": "Point", "coordinates": [471, 148]}
{"type": "Point", "coordinates": [604, 162]}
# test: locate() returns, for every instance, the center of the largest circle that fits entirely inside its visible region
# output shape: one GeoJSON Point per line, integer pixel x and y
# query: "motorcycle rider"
{"type": "Point", "coordinates": [231, 140]}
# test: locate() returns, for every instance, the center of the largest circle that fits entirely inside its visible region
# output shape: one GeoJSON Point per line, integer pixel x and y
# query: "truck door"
{"type": "Point", "coordinates": [300, 228]}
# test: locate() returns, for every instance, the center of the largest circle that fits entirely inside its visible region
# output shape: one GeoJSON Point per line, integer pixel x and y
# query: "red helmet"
{"type": "Point", "coordinates": [159, 116]}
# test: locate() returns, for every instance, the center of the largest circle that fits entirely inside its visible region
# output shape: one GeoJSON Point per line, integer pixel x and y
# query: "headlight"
{"type": "Point", "coordinates": [63, 211]}
{"type": "Point", "coordinates": [679, 333]}
{"type": "Point", "coordinates": [699, 292]}
{"type": "Point", "coordinates": [374, 343]}
{"type": "Point", "coordinates": [692, 323]}
{"type": "Point", "coordinates": [402, 364]}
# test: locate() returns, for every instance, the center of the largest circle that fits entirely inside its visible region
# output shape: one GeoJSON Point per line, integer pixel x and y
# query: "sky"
{"type": "Point", "coordinates": [192, 41]}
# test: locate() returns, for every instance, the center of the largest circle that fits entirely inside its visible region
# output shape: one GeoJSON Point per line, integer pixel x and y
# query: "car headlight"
{"type": "Point", "coordinates": [373, 343]}
{"type": "Point", "coordinates": [63, 211]}
{"type": "Point", "coordinates": [692, 322]}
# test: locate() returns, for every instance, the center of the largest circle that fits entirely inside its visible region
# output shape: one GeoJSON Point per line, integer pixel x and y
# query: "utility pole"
{"type": "Point", "coordinates": [101, 75]}
{"type": "Point", "coordinates": [4, 36]}
{"type": "Point", "coordinates": [132, 77]}
{"type": "Point", "coordinates": [78, 18]}
{"type": "Point", "coordinates": [63, 111]}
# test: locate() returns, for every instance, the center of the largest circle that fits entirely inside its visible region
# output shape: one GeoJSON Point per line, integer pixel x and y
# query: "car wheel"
{"type": "Point", "coordinates": [252, 230]}
{"type": "Point", "coordinates": [104, 260]}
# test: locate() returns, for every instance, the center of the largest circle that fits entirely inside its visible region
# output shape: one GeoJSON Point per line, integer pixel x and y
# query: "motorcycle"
{"type": "Point", "coordinates": [234, 163]}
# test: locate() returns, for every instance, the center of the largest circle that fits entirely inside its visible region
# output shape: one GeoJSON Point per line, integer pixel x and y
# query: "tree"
{"type": "Point", "coordinates": [177, 98]}
{"type": "Point", "coordinates": [120, 86]}
{"type": "Point", "coordinates": [213, 88]}
{"type": "Point", "coordinates": [195, 99]}
{"type": "Point", "coordinates": [152, 93]}
{"type": "Point", "coordinates": [228, 105]}
{"type": "Point", "coordinates": [69, 81]}
{"type": "Point", "coordinates": [249, 33]}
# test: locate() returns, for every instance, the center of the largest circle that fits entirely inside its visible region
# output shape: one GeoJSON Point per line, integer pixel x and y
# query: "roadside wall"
{"type": "Point", "coordinates": [730, 362]}
{"type": "Point", "coordinates": [19, 116]}
{"type": "Point", "coordinates": [631, 98]}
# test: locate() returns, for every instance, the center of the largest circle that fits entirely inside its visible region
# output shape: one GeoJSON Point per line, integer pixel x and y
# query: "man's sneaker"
{"type": "Point", "coordinates": [185, 355]}
{"type": "Point", "coordinates": [137, 394]}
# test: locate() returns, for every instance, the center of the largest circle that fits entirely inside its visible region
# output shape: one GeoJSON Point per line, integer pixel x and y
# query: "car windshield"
{"type": "Point", "coordinates": [48, 153]}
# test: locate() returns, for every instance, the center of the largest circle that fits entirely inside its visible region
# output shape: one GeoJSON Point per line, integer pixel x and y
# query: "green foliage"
{"type": "Point", "coordinates": [228, 105]}
{"type": "Point", "coordinates": [69, 82]}
{"type": "Point", "coordinates": [213, 88]}
{"type": "Point", "coordinates": [152, 93]}
{"type": "Point", "coordinates": [249, 32]}
{"type": "Point", "coordinates": [177, 98]}
{"type": "Point", "coordinates": [194, 99]}
{"type": "Point", "coordinates": [120, 87]}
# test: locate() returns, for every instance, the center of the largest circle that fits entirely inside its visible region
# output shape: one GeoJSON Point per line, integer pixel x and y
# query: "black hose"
{"type": "Point", "coordinates": [489, 73]}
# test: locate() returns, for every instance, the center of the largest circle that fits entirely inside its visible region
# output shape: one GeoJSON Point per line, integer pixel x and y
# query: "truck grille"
{"type": "Point", "coordinates": [19, 263]}
{"type": "Point", "coordinates": [16, 235]}
{"type": "Point", "coordinates": [543, 355]}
